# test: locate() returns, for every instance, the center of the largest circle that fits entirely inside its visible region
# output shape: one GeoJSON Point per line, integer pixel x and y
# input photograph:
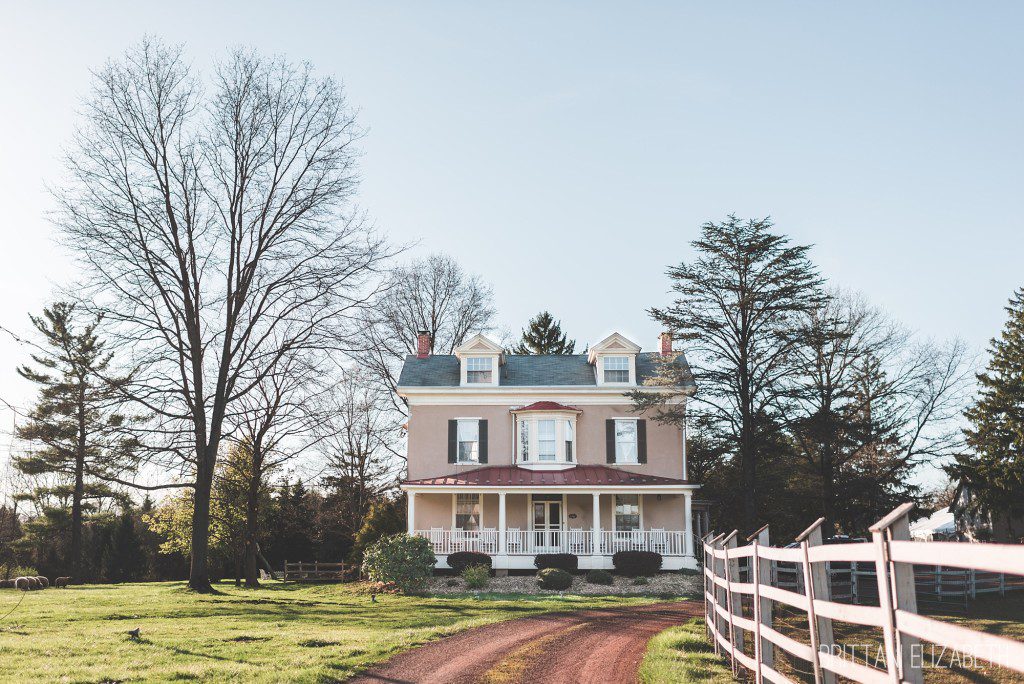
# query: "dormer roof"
{"type": "Point", "coordinates": [616, 343]}
{"type": "Point", "coordinates": [479, 345]}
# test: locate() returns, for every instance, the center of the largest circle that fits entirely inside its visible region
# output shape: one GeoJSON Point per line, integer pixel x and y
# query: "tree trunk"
{"type": "Point", "coordinates": [252, 579]}
{"type": "Point", "coordinates": [748, 466]}
{"type": "Point", "coordinates": [76, 521]}
{"type": "Point", "coordinates": [199, 574]}
{"type": "Point", "coordinates": [828, 501]}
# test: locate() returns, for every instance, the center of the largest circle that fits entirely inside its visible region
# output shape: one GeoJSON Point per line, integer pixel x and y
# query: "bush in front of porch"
{"type": "Point", "coordinates": [554, 579]}
{"type": "Point", "coordinates": [569, 562]}
{"type": "Point", "coordinates": [637, 563]}
{"type": "Point", "coordinates": [404, 560]}
{"type": "Point", "coordinates": [461, 560]}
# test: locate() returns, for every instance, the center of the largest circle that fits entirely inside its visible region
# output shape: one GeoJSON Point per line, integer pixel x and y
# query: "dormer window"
{"type": "Point", "coordinates": [614, 361]}
{"type": "Point", "coordinates": [480, 361]}
{"type": "Point", "coordinates": [479, 370]}
{"type": "Point", "coordinates": [616, 369]}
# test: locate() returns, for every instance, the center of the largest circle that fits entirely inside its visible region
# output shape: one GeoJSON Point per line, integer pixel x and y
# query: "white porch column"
{"type": "Point", "coordinates": [597, 523]}
{"type": "Point", "coordinates": [502, 547]}
{"type": "Point", "coordinates": [688, 514]}
{"type": "Point", "coordinates": [411, 514]}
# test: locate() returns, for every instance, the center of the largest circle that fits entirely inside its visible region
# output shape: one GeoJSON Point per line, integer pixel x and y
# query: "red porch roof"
{"type": "Point", "coordinates": [546, 406]}
{"type": "Point", "coordinates": [579, 476]}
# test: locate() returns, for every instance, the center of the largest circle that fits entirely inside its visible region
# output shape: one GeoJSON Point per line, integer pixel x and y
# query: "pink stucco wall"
{"type": "Point", "coordinates": [436, 510]}
{"type": "Point", "coordinates": [428, 439]}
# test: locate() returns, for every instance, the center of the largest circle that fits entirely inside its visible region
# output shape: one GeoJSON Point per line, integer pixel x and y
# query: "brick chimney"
{"type": "Point", "coordinates": [422, 344]}
{"type": "Point", "coordinates": [665, 344]}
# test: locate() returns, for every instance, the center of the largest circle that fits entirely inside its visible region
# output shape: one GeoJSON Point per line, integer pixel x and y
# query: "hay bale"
{"type": "Point", "coordinates": [22, 583]}
{"type": "Point", "coordinates": [33, 583]}
{"type": "Point", "coordinates": [43, 582]}
{"type": "Point", "coordinates": [7, 584]}
{"type": "Point", "coordinates": [62, 582]}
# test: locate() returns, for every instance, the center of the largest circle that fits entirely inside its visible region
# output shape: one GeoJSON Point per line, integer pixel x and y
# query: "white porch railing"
{"type": "Point", "coordinates": [578, 542]}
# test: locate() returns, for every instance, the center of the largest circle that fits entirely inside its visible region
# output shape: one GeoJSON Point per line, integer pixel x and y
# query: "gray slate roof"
{"type": "Point", "coordinates": [442, 370]}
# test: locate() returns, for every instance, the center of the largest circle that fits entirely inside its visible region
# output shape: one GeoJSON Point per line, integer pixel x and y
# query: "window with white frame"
{"type": "Point", "coordinates": [616, 369]}
{"type": "Point", "coordinates": [570, 440]}
{"type": "Point", "coordinates": [469, 441]}
{"type": "Point", "coordinates": [627, 512]}
{"type": "Point", "coordinates": [467, 512]}
{"type": "Point", "coordinates": [547, 445]}
{"type": "Point", "coordinates": [625, 441]}
{"type": "Point", "coordinates": [540, 438]}
{"type": "Point", "coordinates": [524, 440]}
{"type": "Point", "coordinates": [478, 370]}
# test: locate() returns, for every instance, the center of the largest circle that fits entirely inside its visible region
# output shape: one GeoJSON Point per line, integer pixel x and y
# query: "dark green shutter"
{"type": "Point", "coordinates": [483, 441]}
{"type": "Point", "coordinates": [609, 435]}
{"type": "Point", "coordinates": [641, 441]}
{"type": "Point", "coordinates": [453, 441]}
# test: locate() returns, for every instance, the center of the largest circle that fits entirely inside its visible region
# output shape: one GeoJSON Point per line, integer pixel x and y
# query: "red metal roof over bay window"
{"type": "Point", "coordinates": [579, 476]}
{"type": "Point", "coordinates": [546, 406]}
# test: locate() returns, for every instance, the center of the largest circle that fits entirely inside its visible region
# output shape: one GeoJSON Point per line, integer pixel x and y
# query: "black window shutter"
{"type": "Point", "coordinates": [609, 435]}
{"type": "Point", "coordinates": [453, 441]}
{"type": "Point", "coordinates": [483, 441]}
{"type": "Point", "coordinates": [641, 441]}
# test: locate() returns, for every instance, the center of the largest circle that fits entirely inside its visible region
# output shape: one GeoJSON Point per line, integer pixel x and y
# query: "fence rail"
{"type": "Point", "coordinates": [806, 583]}
{"type": "Point", "coordinates": [313, 571]}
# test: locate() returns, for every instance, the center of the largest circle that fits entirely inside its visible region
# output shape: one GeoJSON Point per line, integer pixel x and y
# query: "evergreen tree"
{"type": "Point", "coordinates": [993, 472]}
{"type": "Point", "coordinates": [74, 430]}
{"type": "Point", "coordinates": [543, 335]}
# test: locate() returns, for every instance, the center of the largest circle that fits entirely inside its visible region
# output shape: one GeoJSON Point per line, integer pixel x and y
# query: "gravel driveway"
{"type": "Point", "coordinates": [562, 648]}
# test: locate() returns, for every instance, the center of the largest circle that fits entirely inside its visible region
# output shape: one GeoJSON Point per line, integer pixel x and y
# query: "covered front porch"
{"type": "Point", "coordinates": [513, 525]}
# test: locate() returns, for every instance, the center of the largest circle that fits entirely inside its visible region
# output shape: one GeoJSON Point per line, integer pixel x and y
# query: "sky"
{"type": "Point", "coordinates": [569, 152]}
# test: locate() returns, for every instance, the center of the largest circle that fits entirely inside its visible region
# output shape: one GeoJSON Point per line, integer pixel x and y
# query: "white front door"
{"type": "Point", "coordinates": [547, 522]}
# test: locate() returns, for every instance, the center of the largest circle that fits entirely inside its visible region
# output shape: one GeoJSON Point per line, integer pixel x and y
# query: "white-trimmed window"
{"type": "Point", "coordinates": [570, 440]}
{"type": "Point", "coordinates": [479, 370]}
{"type": "Point", "coordinates": [625, 441]}
{"type": "Point", "coordinates": [524, 440]}
{"type": "Point", "coordinates": [627, 512]}
{"type": "Point", "coordinates": [468, 512]}
{"type": "Point", "coordinates": [547, 444]}
{"type": "Point", "coordinates": [616, 369]}
{"type": "Point", "coordinates": [469, 441]}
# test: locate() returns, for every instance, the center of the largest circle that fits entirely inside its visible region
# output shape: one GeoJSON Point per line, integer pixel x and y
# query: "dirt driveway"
{"type": "Point", "coordinates": [590, 646]}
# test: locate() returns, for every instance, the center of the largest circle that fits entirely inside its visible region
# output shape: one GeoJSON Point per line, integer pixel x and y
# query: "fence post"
{"type": "Point", "coordinates": [897, 581]}
{"type": "Point", "coordinates": [713, 620]}
{"type": "Point", "coordinates": [817, 583]}
{"type": "Point", "coordinates": [284, 575]}
{"type": "Point", "coordinates": [730, 543]}
{"type": "Point", "coordinates": [761, 573]}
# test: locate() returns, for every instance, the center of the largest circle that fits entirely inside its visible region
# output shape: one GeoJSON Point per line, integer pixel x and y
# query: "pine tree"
{"type": "Point", "coordinates": [994, 471]}
{"type": "Point", "coordinates": [543, 335]}
{"type": "Point", "coordinates": [73, 429]}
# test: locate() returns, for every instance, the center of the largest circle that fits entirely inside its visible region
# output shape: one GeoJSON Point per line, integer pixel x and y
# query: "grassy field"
{"type": "Point", "coordinates": [281, 632]}
{"type": "Point", "coordinates": [683, 654]}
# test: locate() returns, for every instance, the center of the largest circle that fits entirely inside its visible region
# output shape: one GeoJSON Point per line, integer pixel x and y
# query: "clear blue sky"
{"type": "Point", "coordinates": [568, 151]}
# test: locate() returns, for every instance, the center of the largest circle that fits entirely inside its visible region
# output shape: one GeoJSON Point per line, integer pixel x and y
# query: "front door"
{"type": "Point", "coordinates": [547, 522]}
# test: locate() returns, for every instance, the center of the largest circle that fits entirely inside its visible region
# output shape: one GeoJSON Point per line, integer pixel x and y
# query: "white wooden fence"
{"type": "Point", "coordinates": [894, 556]}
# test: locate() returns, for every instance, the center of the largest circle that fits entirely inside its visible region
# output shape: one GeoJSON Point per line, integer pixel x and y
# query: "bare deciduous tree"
{"type": "Point", "coordinates": [434, 294]}
{"type": "Point", "coordinates": [216, 234]}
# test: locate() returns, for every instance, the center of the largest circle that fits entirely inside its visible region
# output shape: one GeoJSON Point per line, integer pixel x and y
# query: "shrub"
{"type": "Point", "coordinates": [402, 559]}
{"type": "Point", "coordinates": [563, 561]}
{"type": "Point", "coordinates": [637, 563]}
{"type": "Point", "coordinates": [476, 576]}
{"type": "Point", "coordinates": [11, 571]}
{"type": "Point", "coordinates": [451, 582]}
{"type": "Point", "coordinates": [641, 580]}
{"type": "Point", "coordinates": [600, 577]}
{"type": "Point", "coordinates": [555, 579]}
{"type": "Point", "coordinates": [463, 559]}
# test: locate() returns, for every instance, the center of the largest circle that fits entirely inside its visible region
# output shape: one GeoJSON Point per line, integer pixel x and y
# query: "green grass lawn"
{"type": "Point", "coordinates": [309, 633]}
{"type": "Point", "coordinates": [683, 654]}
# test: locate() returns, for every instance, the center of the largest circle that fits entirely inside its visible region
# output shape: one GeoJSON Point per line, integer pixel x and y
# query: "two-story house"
{"type": "Point", "coordinates": [520, 455]}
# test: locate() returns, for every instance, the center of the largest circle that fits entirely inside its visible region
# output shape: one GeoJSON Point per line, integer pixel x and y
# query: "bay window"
{"type": "Point", "coordinates": [546, 444]}
{"type": "Point", "coordinates": [569, 440]}
{"type": "Point", "coordinates": [543, 438]}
